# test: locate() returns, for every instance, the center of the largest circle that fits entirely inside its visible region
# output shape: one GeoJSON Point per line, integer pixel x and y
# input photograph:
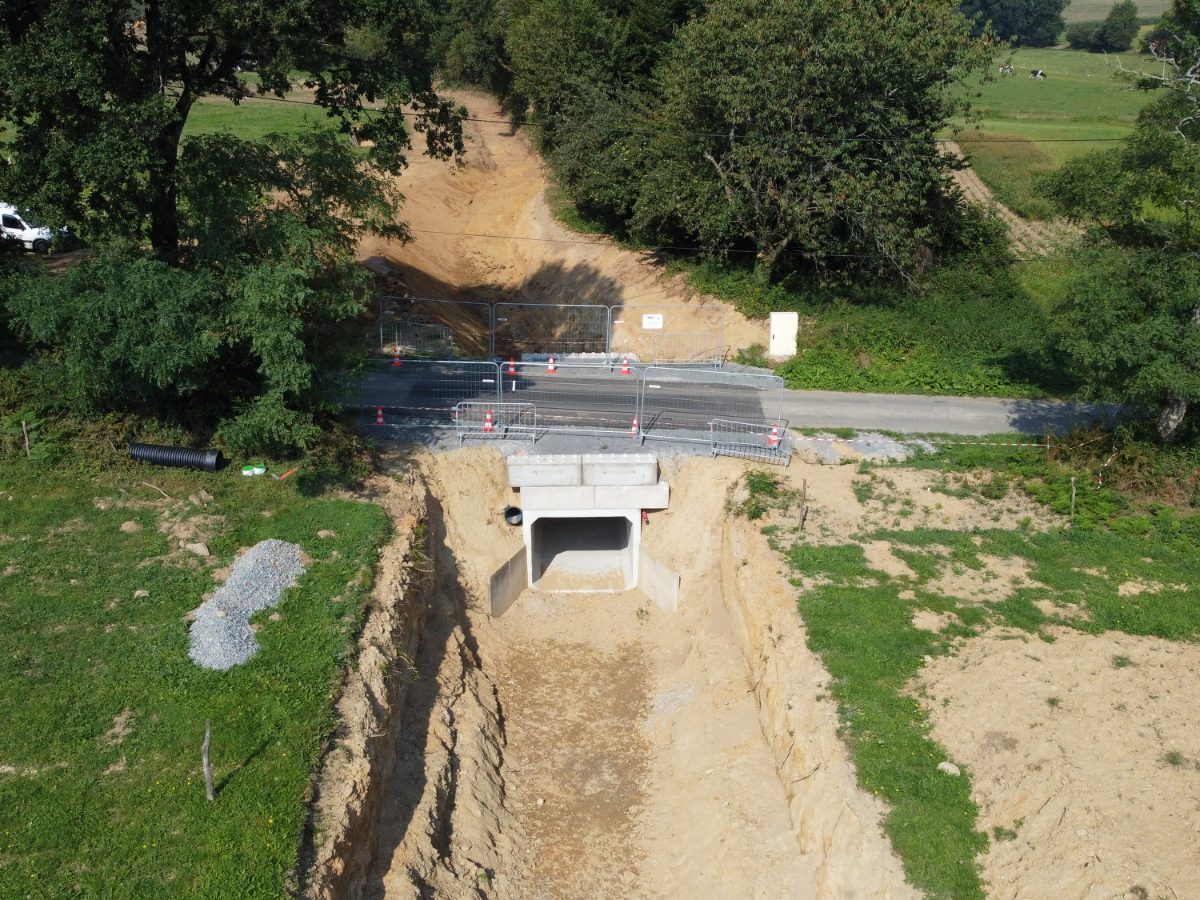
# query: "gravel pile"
{"type": "Point", "coordinates": [220, 637]}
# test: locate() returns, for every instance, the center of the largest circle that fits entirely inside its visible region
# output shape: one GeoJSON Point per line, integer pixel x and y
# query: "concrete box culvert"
{"type": "Point", "coordinates": [583, 552]}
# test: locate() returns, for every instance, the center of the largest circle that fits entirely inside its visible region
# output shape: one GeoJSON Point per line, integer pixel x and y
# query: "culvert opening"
{"type": "Point", "coordinates": [593, 553]}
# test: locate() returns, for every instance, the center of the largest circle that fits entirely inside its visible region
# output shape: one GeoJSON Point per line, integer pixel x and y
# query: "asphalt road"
{"type": "Point", "coordinates": [603, 399]}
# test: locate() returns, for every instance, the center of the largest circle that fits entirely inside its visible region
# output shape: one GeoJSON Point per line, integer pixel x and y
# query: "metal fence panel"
{"type": "Point", "coordinates": [469, 323]}
{"type": "Point", "coordinates": [421, 339]}
{"type": "Point", "coordinates": [687, 332]}
{"type": "Point", "coordinates": [749, 440]}
{"type": "Point", "coordinates": [678, 404]}
{"type": "Point", "coordinates": [559, 328]}
{"type": "Point", "coordinates": [503, 421]}
{"type": "Point", "coordinates": [427, 390]}
{"type": "Point", "coordinates": [687, 348]}
{"type": "Point", "coordinates": [595, 398]}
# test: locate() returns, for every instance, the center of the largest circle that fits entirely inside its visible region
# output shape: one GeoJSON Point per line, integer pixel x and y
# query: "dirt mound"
{"type": "Point", "coordinates": [483, 231]}
{"type": "Point", "coordinates": [1084, 764]}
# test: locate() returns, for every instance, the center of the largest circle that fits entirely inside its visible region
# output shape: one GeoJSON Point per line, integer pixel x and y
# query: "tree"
{"type": "Point", "coordinates": [221, 280]}
{"type": "Point", "coordinates": [1119, 29]}
{"type": "Point", "coordinates": [807, 131]}
{"type": "Point", "coordinates": [1031, 23]}
{"type": "Point", "coordinates": [100, 97]}
{"type": "Point", "coordinates": [1132, 316]}
{"type": "Point", "coordinates": [241, 336]}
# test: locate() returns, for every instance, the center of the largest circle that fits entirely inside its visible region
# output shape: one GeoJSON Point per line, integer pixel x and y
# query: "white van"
{"type": "Point", "coordinates": [13, 227]}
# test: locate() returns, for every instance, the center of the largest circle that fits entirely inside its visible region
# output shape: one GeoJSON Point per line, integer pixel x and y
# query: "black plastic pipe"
{"type": "Point", "coordinates": [180, 457]}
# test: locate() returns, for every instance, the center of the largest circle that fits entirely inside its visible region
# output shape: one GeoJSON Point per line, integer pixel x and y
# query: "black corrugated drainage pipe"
{"type": "Point", "coordinates": [182, 457]}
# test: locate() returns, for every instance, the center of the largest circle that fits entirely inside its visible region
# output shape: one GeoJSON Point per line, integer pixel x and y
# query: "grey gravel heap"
{"type": "Point", "coordinates": [220, 637]}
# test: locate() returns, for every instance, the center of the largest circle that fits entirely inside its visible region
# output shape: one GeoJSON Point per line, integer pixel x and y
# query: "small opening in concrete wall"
{"type": "Point", "coordinates": [582, 554]}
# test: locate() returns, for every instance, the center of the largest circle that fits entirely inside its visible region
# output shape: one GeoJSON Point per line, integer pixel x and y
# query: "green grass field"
{"type": "Point", "coordinates": [253, 119]}
{"type": "Point", "coordinates": [90, 809]}
{"type": "Point", "coordinates": [1036, 125]}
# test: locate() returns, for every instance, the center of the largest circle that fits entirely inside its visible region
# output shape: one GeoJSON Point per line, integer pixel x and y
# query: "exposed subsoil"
{"type": "Point", "coordinates": [483, 231]}
{"type": "Point", "coordinates": [1085, 751]}
{"type": "Point", "coordinates": [591, 745]}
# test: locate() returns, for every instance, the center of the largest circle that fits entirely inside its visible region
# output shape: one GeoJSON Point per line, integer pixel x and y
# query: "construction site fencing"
{"type": "Point", "coordinates": [682, 334]}
{"type": "Point", "coordinates": [543, 328]}
{"type": "Point", "coordinates": [469, 322]}
{"type": "Point", "coordinates": [678, 404]}
{"type": "Point", "coordinates": [669, 333]}
{"type": "Point", "coordinates": [503, 421]}
{"type": "Point", "coordinates": [426, 391]}
{"type": "Point", "coordinates": [421, 339]}
{"type": "Point", "coordinates": [583, 398]}
{"type": "Point", "coordinates": [751, 440]}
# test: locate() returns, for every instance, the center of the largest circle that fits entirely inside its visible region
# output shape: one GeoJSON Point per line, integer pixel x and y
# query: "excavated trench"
{"type": "Point", "coordinates": [586, 743]}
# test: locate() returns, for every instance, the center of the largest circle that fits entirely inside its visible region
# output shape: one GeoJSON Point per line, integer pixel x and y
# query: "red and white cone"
{"type": "Point", "coordinates": [512, 366]}
{"type": "Point", "coordinates": [488, 428]}
{"type": "Point", "coordinates": [396, 357]}
{"type": "Point", "coordinates": [379, 415]}
{"type": "Point", "coordinates": [633, 429]}
{"type": "Point", "coordinates": [551, 368]}
{"type": "Point", "coordinates": [773, 440]}
{"type": "Point", "coordinates": [625, 370]}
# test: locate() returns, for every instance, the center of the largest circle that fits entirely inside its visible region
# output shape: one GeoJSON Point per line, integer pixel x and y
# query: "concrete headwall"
{"type": "Point", "coordinates": [507, 582]}
{"type": "Point", "coordinates": [658, 582]}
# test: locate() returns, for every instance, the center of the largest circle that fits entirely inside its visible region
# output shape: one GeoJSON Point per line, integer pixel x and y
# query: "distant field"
{"type": "Point", "coordinates": [1095, 10]}
{"type": "Point", "coordinates": [252, 119]}
{"type": "Point", "coordinates": [1078, 108]}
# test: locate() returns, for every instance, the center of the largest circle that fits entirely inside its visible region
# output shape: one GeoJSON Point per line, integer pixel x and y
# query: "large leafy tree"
{"type": "Point", "coordinates": [807, 130]}
{"type": "Point", "coordinates": [1031, 23]}
{"type": "Point", "coordinates": [1132, 313]}
{"type": "Point", "coordinates": [99, 94]}
{"type": "Point", "coordinates": [221, 283]}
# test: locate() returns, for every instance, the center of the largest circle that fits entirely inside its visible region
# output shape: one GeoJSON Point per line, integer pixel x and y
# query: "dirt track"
{"type": "Point", "coordinates": [1028, 238]}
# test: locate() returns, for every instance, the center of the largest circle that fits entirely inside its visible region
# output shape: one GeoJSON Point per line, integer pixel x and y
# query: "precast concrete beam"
{"type": "Point", "coordinates": [537, 499]}
{"type": "Point", "coordinates": [655, 496]}
{"type": "Point", "coordinates": [630, 469]}
{"type": "Point", "coordinates": [548, 470]}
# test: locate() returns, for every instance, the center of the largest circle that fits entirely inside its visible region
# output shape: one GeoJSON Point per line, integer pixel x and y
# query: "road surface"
{"type": "Point", "coordinates": [601, 398]}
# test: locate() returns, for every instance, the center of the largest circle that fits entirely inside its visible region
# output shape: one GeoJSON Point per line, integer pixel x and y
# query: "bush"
{"type": "Point", "coordinates": [1119, 29]}
{"type": "Point", "coordinates": [1082, 35]}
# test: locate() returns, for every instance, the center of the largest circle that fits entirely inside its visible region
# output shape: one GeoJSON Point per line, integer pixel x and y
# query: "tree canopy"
{"type": "Point", "coordinates": [1132, 315]}
{"type": "Point", "coordinates": [220, 283]}
{"type": "Point", "coordinates": [1030, 23]}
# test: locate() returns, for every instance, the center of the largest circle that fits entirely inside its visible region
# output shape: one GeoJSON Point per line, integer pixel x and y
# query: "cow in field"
{"type": "Point", "coordinates": [1006, 69]}
{"type": "Point", "coordinates": [1036, 73]}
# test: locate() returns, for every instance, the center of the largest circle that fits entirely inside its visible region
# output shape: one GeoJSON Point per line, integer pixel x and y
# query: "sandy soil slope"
{"type": "Point", "coordinates": [464, 220]}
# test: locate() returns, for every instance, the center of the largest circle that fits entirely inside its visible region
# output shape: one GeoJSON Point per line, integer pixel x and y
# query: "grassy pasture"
{"type": "Point", "coordinates": [1035, 126]}
{"type": "Point", "coordinates": [101, 793]}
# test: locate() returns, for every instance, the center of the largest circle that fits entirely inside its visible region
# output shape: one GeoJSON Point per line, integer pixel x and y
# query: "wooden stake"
{"type": "Point", "coordinates": [25, 431]}
{"type": "Point", "coordinates": [204, 760]}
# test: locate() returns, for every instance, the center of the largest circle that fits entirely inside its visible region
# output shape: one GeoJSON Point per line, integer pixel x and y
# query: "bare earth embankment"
{"type": "Point", "coordinates": [483, 231]}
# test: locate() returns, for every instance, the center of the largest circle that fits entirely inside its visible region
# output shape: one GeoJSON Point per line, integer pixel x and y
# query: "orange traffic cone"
{"type": "Point", "coordinates": [625, 370]}
{"type": "Point", "coordinates": [396, 357]}
{"type": "Point", "coordinates": [633, 429]}
{"type": "Point", "coordinates": [550, 367]}
{"type": "Point", "coordinates": [512, 366]}
{"type": "Point", "coordinates": [488, 428]}
{"type": "Point", "coordinates": [379, 415]}
{"type": "Point", "coordinates": [773, 440]}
